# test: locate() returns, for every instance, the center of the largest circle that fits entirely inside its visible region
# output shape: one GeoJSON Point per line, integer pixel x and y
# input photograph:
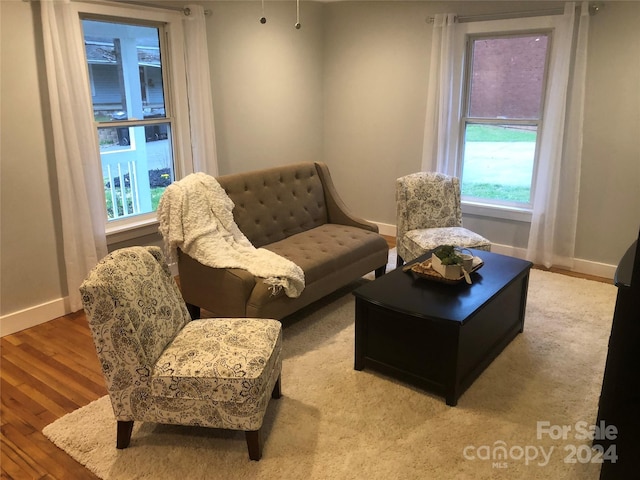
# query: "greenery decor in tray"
{"type": "Point", "coordinates": [451, 263]}
{"type": "Point", "coordinates": [448, 264]}
{"type": "Point", "coordinates": [448, 255]}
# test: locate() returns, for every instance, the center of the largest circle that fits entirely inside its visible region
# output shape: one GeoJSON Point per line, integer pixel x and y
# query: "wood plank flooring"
{"type": "Point", "coordinates": [46, 372]}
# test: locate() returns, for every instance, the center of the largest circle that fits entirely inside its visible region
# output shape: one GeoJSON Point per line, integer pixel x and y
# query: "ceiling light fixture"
{"type": "Point", "coordinates": [263, 19]}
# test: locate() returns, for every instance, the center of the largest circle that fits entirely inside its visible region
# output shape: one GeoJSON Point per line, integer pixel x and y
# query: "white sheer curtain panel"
{"type": "Point", "coordinates": [75, 145]}
{"type": "Point", "coordinates": [203, 142]}
{"type": "Point", "coordinates": [555, 204]}
{"type": "Point", "coordinates": [441, 115]}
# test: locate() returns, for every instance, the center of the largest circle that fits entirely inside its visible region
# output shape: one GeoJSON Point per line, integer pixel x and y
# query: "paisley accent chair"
{"type": "Point", "coordinates": [429, 215]}
{"type": "Point", "coordinates": [160, 366]}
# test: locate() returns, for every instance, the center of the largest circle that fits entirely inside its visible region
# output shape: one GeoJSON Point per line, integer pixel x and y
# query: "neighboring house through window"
{"type": "Point", "coordinates": [132, 112]}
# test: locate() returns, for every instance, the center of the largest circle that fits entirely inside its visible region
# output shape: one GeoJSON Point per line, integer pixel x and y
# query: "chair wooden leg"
{"type": "Point", "coordinates": [254, 444]}
{"type": "Point", "coordinates": [277, 388]}
{"type": "Point", "coordinates": [124, 433]}
{"type": "Point", "coordinates": [399, 261]}
{"type": "Point", "coordinates": [380, 271]}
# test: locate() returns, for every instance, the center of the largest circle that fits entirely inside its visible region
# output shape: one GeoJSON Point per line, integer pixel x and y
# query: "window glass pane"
{"type": "Point", "coordinates": [498, 162]}
{"type": "Point", "coordinates": [507, 77]}
{"type": "Point", "coordinates": [124, 70]}
{"type": "Point", "coordinates": [137, 166]}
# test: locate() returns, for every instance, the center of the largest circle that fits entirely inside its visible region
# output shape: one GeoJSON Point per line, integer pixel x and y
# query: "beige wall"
{"type": "Point", "coordinates": [348, 88]}
{"type": "Point", "coordinates": [609, 214]}
{"type": "Point", "coordinates": [268, 83]}
{"type": "Point", "coordinates": [30, 244]}
{"type": "Point", "coordinates": [376, 62]}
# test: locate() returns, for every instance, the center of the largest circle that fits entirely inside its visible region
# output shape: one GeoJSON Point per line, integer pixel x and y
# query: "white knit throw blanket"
{"type": "Point", "coordinates": [195, 215]}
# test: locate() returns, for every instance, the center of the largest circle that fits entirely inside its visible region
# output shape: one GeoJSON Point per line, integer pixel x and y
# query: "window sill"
{"type": "Point", "coordinates": [497, 211]}
{"type": "Point", "coordinates": [120, 232]}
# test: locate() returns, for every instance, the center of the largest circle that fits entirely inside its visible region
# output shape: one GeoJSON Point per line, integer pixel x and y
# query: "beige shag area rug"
{"type": "Point", "coordinates": [337, 423]}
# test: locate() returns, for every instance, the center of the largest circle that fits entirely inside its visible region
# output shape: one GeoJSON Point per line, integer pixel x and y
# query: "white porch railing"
{"type": "Point", "coordinates": [120, 195]}
{"type": "Point", "coordinates": [128, 165]}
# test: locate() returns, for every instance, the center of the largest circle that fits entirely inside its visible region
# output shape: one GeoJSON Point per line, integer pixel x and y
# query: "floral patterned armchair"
{"type": "Point", "coordinates": [160, 366]}
{"type": "Point", "coordinates": [429, 214]}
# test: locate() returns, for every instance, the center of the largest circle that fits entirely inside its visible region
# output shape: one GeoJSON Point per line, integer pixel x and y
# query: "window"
{"type": "Point", "coordinates": [504, 85]}
{"type": "Point", "coordinates": [134, 59]}
{"type": "Point", "coordinates": [133, 117]}
{"type": "Point", "coordinates": [502, 68]}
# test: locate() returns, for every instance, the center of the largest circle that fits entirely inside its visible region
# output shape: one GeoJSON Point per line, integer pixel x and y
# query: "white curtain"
{"type": "Point", "coordinates": [203, 143]}
{"type": "Point", "coordinates": [75, 145]}
{"type": "Point", "coordinates": [555, 204]}
{"type": "Point", "coordinates": [441, 115]}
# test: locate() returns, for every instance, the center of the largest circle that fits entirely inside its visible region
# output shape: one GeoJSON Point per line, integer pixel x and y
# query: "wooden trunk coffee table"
{"type": "Point", "coordinates": [438, 336]}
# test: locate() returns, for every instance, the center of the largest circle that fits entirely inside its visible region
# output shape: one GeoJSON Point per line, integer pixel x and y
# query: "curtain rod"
{"type": "Point", "coordinates": [185, 10]}
{"type": "Point", "coordinates": [594, 8]}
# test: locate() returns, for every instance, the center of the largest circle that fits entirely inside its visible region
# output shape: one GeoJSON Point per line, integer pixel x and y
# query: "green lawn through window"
{"type": "Point", "coordinates": [498, 133]}
{"type": "Point", "coordinates": [478, 187]}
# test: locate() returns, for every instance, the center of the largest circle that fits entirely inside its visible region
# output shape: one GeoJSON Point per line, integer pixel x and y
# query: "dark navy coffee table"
{"type": "Point", "coordinates": [438, 336]}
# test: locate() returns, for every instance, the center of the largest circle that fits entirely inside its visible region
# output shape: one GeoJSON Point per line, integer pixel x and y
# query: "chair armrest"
{"type": "Point", "coordinates": [221, 291]}
{"type": "Point", "coordinates": [337, 211]}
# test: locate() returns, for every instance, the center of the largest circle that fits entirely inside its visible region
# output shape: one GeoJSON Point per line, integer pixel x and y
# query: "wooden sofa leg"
{"type": "Point", "coordinates": [380, 271]}
{"type": "Point", "coordinates": [194, 311]}
{"type": "Point", "coordinates": [124, 433]}
{"type": "Point", "coordinates": [254, 444]}
{"type": "Point", "coordinates": [277, 388]}
{"type": "Point", "coordinates": [399, 261]}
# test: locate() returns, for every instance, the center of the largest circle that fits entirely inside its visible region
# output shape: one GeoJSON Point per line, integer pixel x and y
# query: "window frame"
{"type": "Point", "coordinates": [497, 28]}
{"type": "Point", "coordinates": [176, 100]}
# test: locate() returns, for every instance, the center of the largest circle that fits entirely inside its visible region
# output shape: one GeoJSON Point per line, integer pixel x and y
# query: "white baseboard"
{"type": "Point", "coordinates": [386, 229]}
{"type": "Point", "coordinates": [585, 267]}
{"type": "Point", "coordinates": [38, 314]}
{"type": "Point", "coordinates": [32, 316]}
{"type": "Point", "coordinates": [598, 269]}
{"type": "Point", "coordinates": [508, 250]}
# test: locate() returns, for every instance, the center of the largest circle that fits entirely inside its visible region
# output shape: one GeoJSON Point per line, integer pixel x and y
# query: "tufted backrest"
{"type": "Point", "coordinates": [275, 203]}
{"type": "Point", "coordinates": [427, 200]}
{"type": "Point", "coordinates": [134, 309]}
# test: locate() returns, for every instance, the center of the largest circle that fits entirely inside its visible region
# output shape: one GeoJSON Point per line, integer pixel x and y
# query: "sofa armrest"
{"type": "Point", "coordinates": [337, 211]}
{"type": "Point", "coordinates": [221, 291]}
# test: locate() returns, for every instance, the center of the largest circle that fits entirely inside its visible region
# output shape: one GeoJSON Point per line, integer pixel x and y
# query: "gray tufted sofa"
{"type": "Point", "coordinates": [294, 211]}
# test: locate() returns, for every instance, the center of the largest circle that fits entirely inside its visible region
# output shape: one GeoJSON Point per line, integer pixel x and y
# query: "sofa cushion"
{"type": "Point", "coordinates": [222, 359]}
{"type": "Point", "coordinates": [275, 203]}
{"type": "Point", "coordinates": [328, 248]}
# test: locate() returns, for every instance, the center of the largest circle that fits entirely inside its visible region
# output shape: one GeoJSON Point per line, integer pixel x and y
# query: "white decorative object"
{"type": "Point", "coordinates": [451, 272]}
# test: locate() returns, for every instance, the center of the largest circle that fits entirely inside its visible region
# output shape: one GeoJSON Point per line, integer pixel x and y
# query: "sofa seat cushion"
{"type": "Point", "coordinates": [222, 360]}
{"type": "Point", "coordinates": [328, 248]}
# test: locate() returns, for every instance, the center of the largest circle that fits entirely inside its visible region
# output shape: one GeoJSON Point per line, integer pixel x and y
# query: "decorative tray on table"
{"type": "Point", "coordinates": [426, 271]}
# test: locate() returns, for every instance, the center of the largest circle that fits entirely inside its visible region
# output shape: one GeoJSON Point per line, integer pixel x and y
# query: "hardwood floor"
{"type": "Point", "coordinates": [46, 372]}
